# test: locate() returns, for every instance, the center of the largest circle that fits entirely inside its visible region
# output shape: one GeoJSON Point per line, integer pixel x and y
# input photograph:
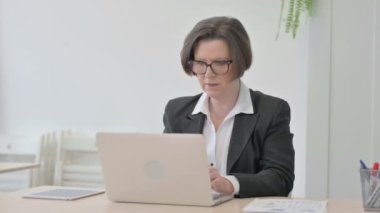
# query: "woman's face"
{"type": "Point", "coordinates": [210, 51]}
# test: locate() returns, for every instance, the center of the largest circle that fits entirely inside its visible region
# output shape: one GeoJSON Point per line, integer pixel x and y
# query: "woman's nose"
{"type": "Point", "coordinates": [209, 72]}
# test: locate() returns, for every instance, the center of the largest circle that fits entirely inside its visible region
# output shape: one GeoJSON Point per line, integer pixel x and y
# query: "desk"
{"type": "Point", "coordinates": [13, 203]}
{"type": "Point", "coordinates": [10, 166]}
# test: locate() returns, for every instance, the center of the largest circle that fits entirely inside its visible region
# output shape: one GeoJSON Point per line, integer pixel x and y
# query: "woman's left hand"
{"type": "Point", "coordinates": [219, 183]}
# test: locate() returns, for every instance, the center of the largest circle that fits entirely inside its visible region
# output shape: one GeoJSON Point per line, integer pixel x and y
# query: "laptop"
{"type": "Point", "coordinates": [157, 168]}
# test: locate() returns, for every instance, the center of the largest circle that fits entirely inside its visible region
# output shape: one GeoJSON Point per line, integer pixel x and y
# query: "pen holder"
{"type": "Point", "coordinates": [370, 183]}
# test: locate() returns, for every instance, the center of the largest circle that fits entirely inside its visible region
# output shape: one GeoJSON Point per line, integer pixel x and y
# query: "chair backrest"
{"type": "Point", "coordinates": [77, 162]}
{"type": "Point", "coordinates": [49, 144]}
{"type": "Point", "coordinates": [16, 148]}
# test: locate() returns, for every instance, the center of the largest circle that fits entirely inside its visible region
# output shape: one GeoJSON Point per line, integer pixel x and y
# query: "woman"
{"type": "Point", "coordinates": [247, 134]}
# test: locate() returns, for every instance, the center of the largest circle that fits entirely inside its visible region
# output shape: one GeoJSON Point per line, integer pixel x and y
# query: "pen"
{"type": "Point", "coordinates": [373, 179]}
{"type": "Point", "coordinates": [375, 168]}
{"type": "Point", "coordinates": [362, 165]}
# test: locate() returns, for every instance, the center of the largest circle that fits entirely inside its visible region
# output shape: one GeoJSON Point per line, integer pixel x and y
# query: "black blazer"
{"type": "Point", "coordinates": [261, 153]}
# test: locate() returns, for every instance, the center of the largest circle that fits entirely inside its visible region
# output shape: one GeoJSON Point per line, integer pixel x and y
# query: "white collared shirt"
{"type": "Point", "coordinates": [218, 142]}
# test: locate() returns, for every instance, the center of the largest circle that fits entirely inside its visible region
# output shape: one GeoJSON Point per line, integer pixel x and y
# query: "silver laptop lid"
{"type": "Point", "coordinates": [155, 168]}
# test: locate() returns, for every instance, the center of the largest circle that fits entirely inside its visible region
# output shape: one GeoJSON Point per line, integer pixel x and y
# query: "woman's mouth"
{"type": "Point", "coordinates": [211, 84]}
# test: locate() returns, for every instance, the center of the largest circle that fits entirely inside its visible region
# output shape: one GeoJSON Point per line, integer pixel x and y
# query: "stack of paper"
{"type": "Point", "coordinates": [260, 205]}
{"type": "Point", "coordinates": [64, 193]}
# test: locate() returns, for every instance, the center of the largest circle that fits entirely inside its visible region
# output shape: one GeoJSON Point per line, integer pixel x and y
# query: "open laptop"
{"type": "Point", "coordinates": [157, 168]}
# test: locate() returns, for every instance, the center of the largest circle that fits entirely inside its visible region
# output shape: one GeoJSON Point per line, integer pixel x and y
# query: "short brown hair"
{"type": "Point", "coordinates": [226, 28]}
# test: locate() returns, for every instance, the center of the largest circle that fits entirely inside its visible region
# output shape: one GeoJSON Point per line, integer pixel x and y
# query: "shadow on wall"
{"type": "Point", "coordinates": [1, 89]}
{"type": "Point", "coordinates": [1, 79]}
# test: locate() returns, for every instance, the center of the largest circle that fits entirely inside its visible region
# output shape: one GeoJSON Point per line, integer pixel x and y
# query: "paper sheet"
{"type": "Point", "coordinates": [285, 206]}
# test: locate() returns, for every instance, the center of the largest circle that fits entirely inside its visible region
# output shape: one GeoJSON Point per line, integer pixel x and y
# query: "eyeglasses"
{"type": "Point", "coordinates": [217, 67]}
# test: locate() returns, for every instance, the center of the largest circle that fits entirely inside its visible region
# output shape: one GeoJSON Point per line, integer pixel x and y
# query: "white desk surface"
{"type": "Point", "coordinates": [13, 166]}
{"type": "Point", "coordinates": [14, 203]}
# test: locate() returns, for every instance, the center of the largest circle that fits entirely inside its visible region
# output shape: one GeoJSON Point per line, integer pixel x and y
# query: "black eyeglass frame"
{"type": "Point", "coordinates": [228, 62]}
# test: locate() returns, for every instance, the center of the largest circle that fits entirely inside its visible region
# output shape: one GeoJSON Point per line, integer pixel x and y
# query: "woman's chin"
{"type": "Point", "coordinates": [213, 93]}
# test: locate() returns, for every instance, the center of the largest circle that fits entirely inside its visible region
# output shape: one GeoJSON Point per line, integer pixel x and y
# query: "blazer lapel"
{"type": "Point", "coordinates": [244, 125]}
{"type": "Point", "coordinates": [194, 123]}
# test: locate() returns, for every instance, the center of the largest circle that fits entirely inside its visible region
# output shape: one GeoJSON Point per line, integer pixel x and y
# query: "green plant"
{"type": "Point", "coordinates": [295, 9]}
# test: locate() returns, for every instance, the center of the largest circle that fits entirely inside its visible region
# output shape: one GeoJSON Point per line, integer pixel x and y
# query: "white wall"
{"type": "Point", "coordinates": [318, 102]}
{"type": "Point", "coordinates": [98, 65]}
{"type": "Point", "coordinates": [344, 96]}
{"type": "Point", "coordinates": [354, 93]}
